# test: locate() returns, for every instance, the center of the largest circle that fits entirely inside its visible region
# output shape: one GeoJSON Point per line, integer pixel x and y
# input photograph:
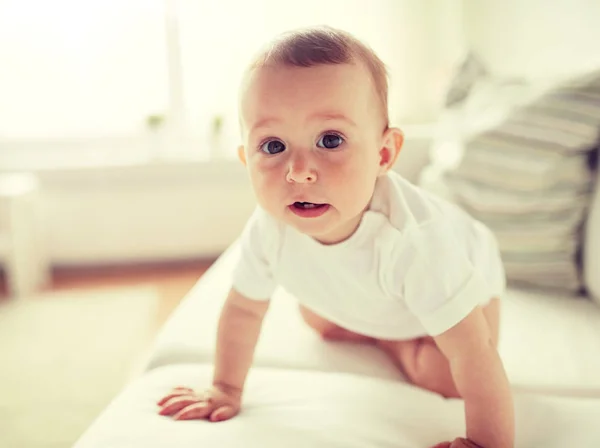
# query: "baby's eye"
{"type": "Point", "coordinates": [272, 147]}
{"type": "Point", "coordinates": [330, 141]}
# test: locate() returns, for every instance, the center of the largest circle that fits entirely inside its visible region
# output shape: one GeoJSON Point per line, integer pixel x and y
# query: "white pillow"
{"type": "Point", "coordinates": [591, 264]}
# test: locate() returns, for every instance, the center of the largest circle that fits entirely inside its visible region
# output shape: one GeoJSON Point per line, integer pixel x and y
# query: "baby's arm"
{"type": "Point", "coordinates": [239, 327]}
{"type": "Point", "coordinates": [479, 376]}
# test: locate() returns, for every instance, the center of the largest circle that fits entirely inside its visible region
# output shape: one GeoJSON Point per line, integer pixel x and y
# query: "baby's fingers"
{"type": "Point", "coordinates": [195, 411]}
{"type": "Point", "coordinates": [176, 404]}
{"type": "Point", "coordinates": [176, 392]}
{"type": "Point", "coordinates": [223, 413]}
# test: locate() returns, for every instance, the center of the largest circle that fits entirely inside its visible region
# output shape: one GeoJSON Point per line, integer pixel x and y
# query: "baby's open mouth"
{"type": "Point", "coordinates": [307, 205]}
{"type": "Point", "coordinates": [308, 209]}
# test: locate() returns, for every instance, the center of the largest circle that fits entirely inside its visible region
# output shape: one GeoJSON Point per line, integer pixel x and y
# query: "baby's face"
{"type": "Point", "coordinates": [314, 145]}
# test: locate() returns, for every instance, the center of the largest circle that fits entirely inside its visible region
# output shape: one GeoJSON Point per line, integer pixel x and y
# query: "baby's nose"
{"type": "Point", "coordinates": [301, 171]}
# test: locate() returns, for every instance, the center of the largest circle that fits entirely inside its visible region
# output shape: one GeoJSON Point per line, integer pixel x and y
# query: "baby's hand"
{"type": "Point", "coordinates": [458, 443]}
{"type": "Point", "coordinates": [214, 404]}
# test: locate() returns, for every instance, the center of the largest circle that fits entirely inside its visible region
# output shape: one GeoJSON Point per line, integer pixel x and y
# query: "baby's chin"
{"type": "Point", "coordinates": [328, 233]}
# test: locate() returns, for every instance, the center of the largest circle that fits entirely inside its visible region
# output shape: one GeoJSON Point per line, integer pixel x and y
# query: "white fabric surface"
{"type": "Point", "coordinates": [416, 265]}
{"type": "Point", "coordinates": [591, 266]}
{"type": "Point", "coordinates": [315, 409]}
{"type": "Point", "coordinates": [546, 342]}
{"type": "Point", "coordinates": [551, 343]}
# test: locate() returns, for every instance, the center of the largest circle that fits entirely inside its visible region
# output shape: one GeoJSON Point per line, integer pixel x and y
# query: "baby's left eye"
{"type": "Point", "coordinates": [330, 141]}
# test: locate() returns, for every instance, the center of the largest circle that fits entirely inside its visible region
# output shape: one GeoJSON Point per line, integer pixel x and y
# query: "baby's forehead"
{"type": "Point", "coordinates": [355, 73]}
{"type": "Point", "coordinates": [345, 86]}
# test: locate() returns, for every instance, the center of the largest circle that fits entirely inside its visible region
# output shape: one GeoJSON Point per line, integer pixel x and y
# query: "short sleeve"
{"type": "Point", "coordinates": [442, 286]}
{"type": "Point", "coordinates": [253, 273]}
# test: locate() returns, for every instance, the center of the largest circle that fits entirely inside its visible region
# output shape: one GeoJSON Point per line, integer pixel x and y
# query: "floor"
{"type": "Point", "coordinates": [172, 280]}
{"type": "Point", "coordinates": [38, 335]}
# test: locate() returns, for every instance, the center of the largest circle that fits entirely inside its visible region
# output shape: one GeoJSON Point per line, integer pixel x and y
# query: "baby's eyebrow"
{"type": "Point", "coordinates": [268, 121]}
{"type": "Point", "coordinates": [332, 116]}
{"type": "Point", "coordinates": [263, 123]}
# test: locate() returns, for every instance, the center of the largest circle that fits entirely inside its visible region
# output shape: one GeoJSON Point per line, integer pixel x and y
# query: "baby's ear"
{"type": "Point", "coordinates": [393, 138]}
{"type": "Point", "coordinates": [242, 154]}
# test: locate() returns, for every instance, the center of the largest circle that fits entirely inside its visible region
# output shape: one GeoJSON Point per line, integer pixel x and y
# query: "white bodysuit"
{"type": "Point", "coordinates": [417, 265]}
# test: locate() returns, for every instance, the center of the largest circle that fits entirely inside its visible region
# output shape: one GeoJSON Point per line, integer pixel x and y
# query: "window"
{"type": "Point", "coordinates": [80, 69]}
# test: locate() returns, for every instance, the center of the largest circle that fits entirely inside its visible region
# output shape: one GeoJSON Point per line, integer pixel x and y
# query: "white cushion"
{"type": "Point", "coordinates": [591, 267]}
{"type": "Point", "coordinates": [551, 343]}
{"type": "Point", "coordinates": [299, 409]}
{"type": "Point", "coordinates": [546, 342]}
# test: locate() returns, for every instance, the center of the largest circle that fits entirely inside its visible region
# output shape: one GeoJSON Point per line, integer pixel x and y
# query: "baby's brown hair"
{"type": "Point", "coordinates": [307, 47]}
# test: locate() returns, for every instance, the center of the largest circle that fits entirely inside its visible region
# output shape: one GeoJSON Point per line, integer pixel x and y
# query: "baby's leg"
{"type": "Point", "coordinates": [423, 362]}
{"type": "Point", "coordinates": [330, 331]}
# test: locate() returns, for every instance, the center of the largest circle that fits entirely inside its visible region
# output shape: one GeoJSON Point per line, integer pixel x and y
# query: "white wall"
{"type": "Point", "coordinates": [536, 39]}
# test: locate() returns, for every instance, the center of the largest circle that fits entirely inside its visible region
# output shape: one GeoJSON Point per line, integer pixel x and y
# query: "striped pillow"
{"type": "Point", "coordinates": [530, 181]}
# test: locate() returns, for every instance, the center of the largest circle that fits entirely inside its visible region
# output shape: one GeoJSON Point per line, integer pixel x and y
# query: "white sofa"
{"type": "Point", "coordinates": [305, 392]}
{"type": "Point", "coordinates": [310, 409]}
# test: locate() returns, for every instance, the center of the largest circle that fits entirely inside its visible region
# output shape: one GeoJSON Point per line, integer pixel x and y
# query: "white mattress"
{"type": "Point", "coordinates": [300, 409]}
{"type": "Point", "coordinates": [547, 343]}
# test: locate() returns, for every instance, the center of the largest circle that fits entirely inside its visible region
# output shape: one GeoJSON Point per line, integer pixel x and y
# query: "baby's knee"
{"type": "Point", "coordinates": [432, 372]}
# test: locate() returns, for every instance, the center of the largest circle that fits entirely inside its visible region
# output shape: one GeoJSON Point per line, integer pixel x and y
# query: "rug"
{"type": "Point", "coordinates": [64, 356]}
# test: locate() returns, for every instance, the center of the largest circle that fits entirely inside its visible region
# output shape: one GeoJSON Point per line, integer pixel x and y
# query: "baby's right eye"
{"type": "Point", "coordinates": [272, 147]}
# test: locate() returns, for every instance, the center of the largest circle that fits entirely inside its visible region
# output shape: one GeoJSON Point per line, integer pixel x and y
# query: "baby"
{"type": "Point", "coordinates": [369, 256]}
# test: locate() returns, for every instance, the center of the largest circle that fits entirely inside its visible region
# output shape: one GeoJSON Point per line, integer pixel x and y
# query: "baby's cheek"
{"type": "Point", "coordinates": [356, 184]}
{"type": "Point", "coordinates": [266, 166]}
{"type": "Point", "coordinates": [350, 172]}
{"type": "Point", "coordinates": [266, 182]}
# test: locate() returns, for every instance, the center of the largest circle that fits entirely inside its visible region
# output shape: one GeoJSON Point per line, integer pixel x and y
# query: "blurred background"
{"type": "Point", "coordinates": [119, 183]}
